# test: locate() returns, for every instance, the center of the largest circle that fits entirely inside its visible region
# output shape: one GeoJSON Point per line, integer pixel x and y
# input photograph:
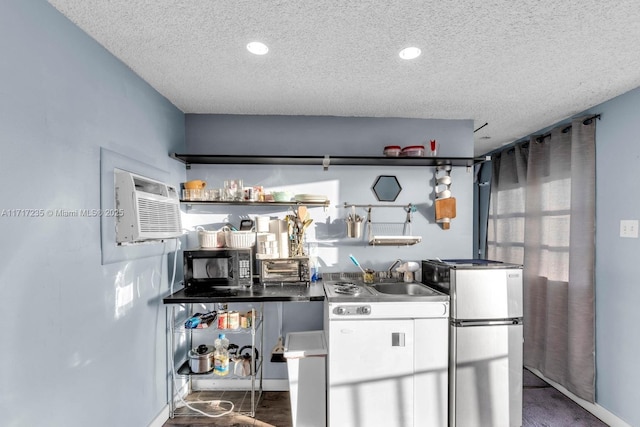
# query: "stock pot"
{"type": "Point", "coordinates": [201, 359]}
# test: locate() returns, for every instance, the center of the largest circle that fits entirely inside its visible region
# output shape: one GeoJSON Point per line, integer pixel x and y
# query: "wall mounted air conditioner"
{"type": "Point", "coordinates": [148, 209]}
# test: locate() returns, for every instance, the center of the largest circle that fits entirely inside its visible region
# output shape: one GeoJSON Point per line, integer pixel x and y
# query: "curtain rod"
{"type": "Point", "coordinates": [541, 138]}
{"type": "Point", "coordinates": [567, 128]}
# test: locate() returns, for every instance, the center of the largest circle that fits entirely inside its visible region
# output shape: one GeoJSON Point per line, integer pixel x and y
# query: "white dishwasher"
{"type": "Point", "coordinates": [387, 357]}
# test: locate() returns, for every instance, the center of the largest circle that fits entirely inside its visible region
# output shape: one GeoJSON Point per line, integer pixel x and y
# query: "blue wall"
{"type": "Point", "coordinates": [304, 135]}
{"type": "Point", "coordinates": [82, 343]}
{"type": "Point", "coordinates": [617, 266]}
{"type": "Point", "coordinates": [322, 135]}
{"type": "Point", "coordinates": [346, 136]}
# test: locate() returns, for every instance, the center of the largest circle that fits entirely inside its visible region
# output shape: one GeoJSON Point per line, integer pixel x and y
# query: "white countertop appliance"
{"type": "Point", "coordinates": [485, 376]}
{"type": "Point", "coordinates": [387, 357]}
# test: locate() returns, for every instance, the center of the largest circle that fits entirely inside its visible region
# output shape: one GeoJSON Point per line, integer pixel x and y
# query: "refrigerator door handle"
{"type": "Point", "coordinates": [488, 322]}
{"type": "Point", "coordinates": [397, 339]}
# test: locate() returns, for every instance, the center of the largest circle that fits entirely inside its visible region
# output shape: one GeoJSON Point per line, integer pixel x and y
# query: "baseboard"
{"type": "Point", "coordinates": [162, 418]}
{"type": "Point", "coordinates": [240, 384]}
{"type": "Point", "coordinates": [598, 411]}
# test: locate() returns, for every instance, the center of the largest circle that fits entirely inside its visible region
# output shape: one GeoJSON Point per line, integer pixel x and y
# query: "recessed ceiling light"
{"type": "Point", "coordinates": [410, 53]}
{"type": "Point", "coordinates": [257, 48]}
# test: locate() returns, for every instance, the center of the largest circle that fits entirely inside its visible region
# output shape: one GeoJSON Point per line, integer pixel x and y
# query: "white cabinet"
{"type": "Point", "coordinates": [395, 372]}
{"type": "Point", "coordinates": [376, 377]}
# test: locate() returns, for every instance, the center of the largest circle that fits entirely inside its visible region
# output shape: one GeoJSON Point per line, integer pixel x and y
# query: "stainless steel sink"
{"type": "Point", "coordinates": [403, 288]}
{"type": "Point", "coordinates": [393, 280]}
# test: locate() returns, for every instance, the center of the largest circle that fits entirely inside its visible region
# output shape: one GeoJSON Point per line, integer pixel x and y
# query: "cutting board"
{"type": "Point", "coordinates": [445, 208]}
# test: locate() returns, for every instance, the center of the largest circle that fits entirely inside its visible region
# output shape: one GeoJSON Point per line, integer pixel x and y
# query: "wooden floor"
{"type": "Point", "coordinates": [543, 406]}
{"type": "Point", "coordinates": [274, 410]}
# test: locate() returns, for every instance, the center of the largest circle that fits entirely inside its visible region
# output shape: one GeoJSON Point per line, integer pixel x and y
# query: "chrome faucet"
{"type": "Point", "coordinates": [390, 269]}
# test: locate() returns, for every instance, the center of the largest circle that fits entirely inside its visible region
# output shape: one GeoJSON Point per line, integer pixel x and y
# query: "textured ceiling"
{"type": "Point", "coordinates": [518, 66]}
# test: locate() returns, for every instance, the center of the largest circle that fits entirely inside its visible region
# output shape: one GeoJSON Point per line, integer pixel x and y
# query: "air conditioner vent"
{"type": "Point", "coordinates": [157, 216]}
{"type": "Point", "coordinates": [151, 209]}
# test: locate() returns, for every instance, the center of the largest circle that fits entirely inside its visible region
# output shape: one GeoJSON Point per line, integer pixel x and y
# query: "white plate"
{"type": "Point", "coordinates": [310, 198]}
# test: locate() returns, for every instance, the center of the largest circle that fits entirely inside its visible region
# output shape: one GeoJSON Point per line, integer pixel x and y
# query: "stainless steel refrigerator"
{"type": "Point", "coordinates": [485, 340]}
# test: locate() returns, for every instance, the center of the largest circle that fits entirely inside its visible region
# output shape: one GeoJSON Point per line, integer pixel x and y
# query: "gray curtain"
{"type": "Point", "coordinates": [542, 215]}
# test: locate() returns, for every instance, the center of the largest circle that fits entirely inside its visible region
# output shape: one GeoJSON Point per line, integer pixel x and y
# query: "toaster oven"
{"type": "Point", "coordinates": [295, 269]}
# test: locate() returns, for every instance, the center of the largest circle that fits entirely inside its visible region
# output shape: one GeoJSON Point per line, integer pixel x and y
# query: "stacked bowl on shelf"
{"type": "Point", "coordinates": [410, 150]}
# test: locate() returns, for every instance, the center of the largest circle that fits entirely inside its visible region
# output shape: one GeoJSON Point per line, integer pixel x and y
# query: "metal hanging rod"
{"type": "Point", "coordinates": [410, 206]}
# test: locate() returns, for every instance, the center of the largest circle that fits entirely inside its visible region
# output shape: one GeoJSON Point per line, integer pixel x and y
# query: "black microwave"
{"type": "Point", "coordinates": [209, 269]}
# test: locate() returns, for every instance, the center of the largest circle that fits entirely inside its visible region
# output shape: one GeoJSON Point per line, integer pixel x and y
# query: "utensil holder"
{"type": "Point", "coordinates": [354, 229]}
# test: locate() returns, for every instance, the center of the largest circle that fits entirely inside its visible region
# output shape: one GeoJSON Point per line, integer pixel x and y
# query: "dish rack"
{"type": "Point", "coordinates": [389, 233]}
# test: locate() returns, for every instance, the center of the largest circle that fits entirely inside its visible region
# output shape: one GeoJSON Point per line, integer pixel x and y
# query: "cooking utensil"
{"type": "Point", "coordinates": [302, 212]}
{"type": "Point", "coordinates": [445, 208]}
{"type": "Point", "coordinates": [233, 350]}
{"type": "Point", "coordinates": [201, 359]}
{"type": "Point", "coordinates": [243, 361]}
{"type": "Point", "coordinates": [301, 228]}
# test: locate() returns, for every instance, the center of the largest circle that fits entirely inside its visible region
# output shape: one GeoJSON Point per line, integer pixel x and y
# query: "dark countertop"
{"type": "Point", "coordinates": [257, 293]}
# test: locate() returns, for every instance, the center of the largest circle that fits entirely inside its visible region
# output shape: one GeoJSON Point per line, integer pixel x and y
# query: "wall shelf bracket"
{"type": "Point", "coordinates": [325, 163]}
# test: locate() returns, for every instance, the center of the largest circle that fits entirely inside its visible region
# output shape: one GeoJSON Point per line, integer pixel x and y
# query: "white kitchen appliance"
{"type": "Point", "coordinates": [485, 380]}
{"type": "Point", "coordinates": [151, 209]}
{"type": "Point", "coordinates": [387, 358]}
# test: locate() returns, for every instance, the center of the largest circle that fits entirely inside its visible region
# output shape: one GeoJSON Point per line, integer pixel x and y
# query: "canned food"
{"type": "Point", "coordinates": [233, 320]}
{"type": "Point", "coordinates": [243, 321]}
{"type": "Point", "coordinates": [223, 320]}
